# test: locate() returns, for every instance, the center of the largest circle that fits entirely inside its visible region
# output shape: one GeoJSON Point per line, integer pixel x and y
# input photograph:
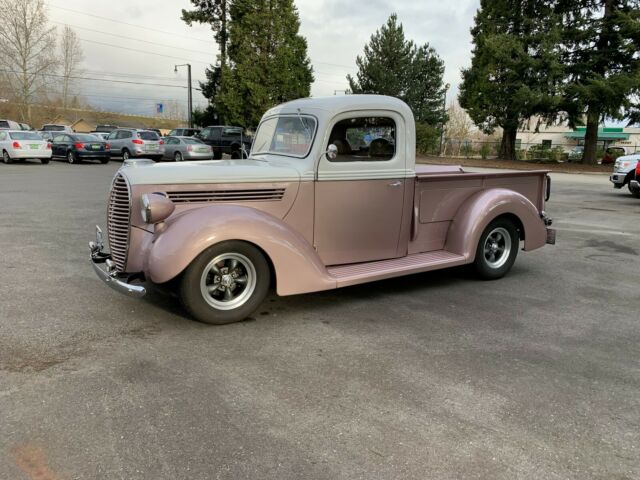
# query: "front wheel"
{"type": "Point", "coordinates": [225, 283]}
{"type": "Point", "coordinates": [497, 249]}
{"type": "Point", "coordinates": [635, 192]}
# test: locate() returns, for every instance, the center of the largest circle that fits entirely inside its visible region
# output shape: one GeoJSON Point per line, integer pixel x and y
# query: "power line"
{"type": "Point", "coordinates": [132, 38]}
{"type": "Point", "coordinates": [130, 24]}
{"type": "Point", "coordinates": [142, 51]}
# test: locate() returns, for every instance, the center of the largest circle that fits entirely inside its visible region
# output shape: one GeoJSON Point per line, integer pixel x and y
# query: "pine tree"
{"type": "Point", "coordinates": [392, 65]}
{"type": "Point", "coordinates": [267, 60]}
{"type": "Point", "coordinates": [601, 40]}
{"type": "Point", "coordinates": [515, 69]}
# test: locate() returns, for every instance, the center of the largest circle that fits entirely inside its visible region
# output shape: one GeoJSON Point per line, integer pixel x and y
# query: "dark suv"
{"type": "Point", "coordinates": [183, 132]}
{"type": "Point", "coordinates": [226, 139]}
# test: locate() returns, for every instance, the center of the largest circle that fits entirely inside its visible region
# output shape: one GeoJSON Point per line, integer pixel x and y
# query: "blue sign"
{"type": "Point", "coordinates": [159, 108]}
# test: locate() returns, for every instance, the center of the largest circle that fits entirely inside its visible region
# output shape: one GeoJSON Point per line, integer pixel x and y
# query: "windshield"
{"type": "Point", "coordinates": [290, 135]}
{"type": "Point", "coordinates": [25, 136]}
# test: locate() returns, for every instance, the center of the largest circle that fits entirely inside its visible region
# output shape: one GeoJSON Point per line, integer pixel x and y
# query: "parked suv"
{"type": "Point", "coordinates": [624, 171]}
{"type": "Point", "coordinates": [131, 142]}
{"type": "Point", "coordinates": [183, 132]}
{"type": "Point", "coordinates": [225, 139]}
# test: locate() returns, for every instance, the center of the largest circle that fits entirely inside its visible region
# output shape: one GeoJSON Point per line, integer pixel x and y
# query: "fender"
{"type": "Point", "coordinates": [298, 268]}
{"type": "Point", "coordinates": [481, 208]}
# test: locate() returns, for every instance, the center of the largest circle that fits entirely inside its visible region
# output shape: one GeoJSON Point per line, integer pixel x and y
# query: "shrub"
{"type": "Point", "coordinates": [485, 150]}
{"type": "Point", "coordinates": [427, 138]}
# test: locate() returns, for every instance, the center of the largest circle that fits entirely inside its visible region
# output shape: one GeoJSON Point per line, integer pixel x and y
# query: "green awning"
{"type": "Point", "coordinates": [607, 133]}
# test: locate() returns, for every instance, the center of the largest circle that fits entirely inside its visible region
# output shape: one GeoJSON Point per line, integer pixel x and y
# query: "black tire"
{"type": "Point", "coordinates": [72, 158]}
{"type": "Point", "coordinates": [635, 192]}
{"type": "Point", "coordinates": [44, 161]}
{"type": "Point", "coordinates": [104, 161]}
{"type": "Point", "coordinates": [497, 249]}
{"type": "Point", "coordinates": [236, 154]}
{"type": "Point", "coordinates": [217, 155]}
{"type": "Point", "coordinates": [6, 158]}
{"type": "Point", "coordinates": [210, 307]}
{"type": "Point", "coordinates": [125, 154]}
{"type": "Point", "coordinates": [177, 157]}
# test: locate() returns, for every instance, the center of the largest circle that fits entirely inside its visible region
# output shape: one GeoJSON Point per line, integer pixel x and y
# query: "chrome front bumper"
{"type": "Point", "coordinates": [110, 275]}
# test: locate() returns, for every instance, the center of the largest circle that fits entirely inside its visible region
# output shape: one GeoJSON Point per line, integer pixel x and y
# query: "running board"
{"type": "Point", "coordinates": [354, 274]}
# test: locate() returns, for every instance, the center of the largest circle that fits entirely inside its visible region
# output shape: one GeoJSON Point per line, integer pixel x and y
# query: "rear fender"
{"type": "Point", "coordinates": [482, 208]}
{"type": "Point", "coordinates": [298, 269]}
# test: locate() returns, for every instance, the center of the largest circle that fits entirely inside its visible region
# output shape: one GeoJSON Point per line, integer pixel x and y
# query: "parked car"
{"type": "Point", "coordinates": [56, 128]}
{"type": "Point", "coordinates": [310, 217]}
{"type": "Point", "coordinates": [101, 135]}
{"type": "Point", "coordinates": [186, 148]}
{"type": "Point", "coordinates": [21, 145]}
{"type": "Point", "coordinates": [9, 125]}
{"type": "Point", "coordinates": [576, 153]}
{"type": "Point", "coordinates": [226, 139]}
{"type": "Point", "coordinates": [131, 142]}
{"type": "Point", "coordinates": [624, 171]}
{"type": "Point", "coordinates": [634, 185]}
{"type": "Point", "coordinates": [105, 128]}
{"type": "Point", "coordinates": [157, 130]}
{"type": "Point", "coordinates": [611, 153]}
{"type": "Point", "coordinates": [183, 132]}
{"type": "Point", "coordinates": [25, 126]}
{"type": "Point", "coordinates": [77, 147]}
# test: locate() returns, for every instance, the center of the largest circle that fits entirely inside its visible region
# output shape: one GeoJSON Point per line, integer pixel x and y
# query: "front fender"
{"type": "Point", "coordinates": [480, 209]}
{"type": "Point", "coordinates": [298, 268]}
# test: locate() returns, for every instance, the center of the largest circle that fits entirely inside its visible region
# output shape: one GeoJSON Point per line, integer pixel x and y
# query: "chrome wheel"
{"type": "Point", "coordinates": [125, 155]}
{"type": "Point", "coordinates": [228, 281]}
{"type": "Point", "coordinates": [177, 157]}
{"type": "Point", "coordinates": [497, 247]}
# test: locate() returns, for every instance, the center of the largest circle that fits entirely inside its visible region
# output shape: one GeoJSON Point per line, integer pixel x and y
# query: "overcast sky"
{"type": "Point", "coordinates": [152, 39]}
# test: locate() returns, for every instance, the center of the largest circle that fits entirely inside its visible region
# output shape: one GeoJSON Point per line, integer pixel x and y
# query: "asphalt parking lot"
{"type": "Point", "coordinates": [434, 376]}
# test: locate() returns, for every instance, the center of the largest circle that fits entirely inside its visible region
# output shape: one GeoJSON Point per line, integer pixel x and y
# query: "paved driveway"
{"type": "Point", "coordinates": [434, 376]}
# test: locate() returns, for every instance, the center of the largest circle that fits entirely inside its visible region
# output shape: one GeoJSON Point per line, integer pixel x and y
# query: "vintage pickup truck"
{"type": "Point", "coordinates": [329, 197]}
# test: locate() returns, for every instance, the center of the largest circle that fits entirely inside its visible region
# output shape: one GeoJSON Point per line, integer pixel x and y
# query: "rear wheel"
{"type": "Point", "coordinates": [71, 157]}
{"type": "Point", "coordinates": [5, 157]}
{"type": "Point", "coordinates": [125, 154]}
{"type": "Point", "coordinates": [44, 161]}
{"type": "Point", "coordinates": [236, 154]}
{"type": "Point", "coordinates": [104, 160]}
{"type": "Point", "coordinates": [497, 249]}
{"type": "Point", "coordinates": [225, 283]}
{"type": "Point", "coordinates": [177, 157]}
{"type": "Point", "coordinates": [635, 192]}
{"type": "Point", "coordinates": [217, 155]}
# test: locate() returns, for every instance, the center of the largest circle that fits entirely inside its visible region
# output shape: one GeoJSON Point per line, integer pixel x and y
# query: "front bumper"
{"type": "Point", "coordinates": [618, 179]}
{"type": "Point", "coordinates": [109, 275]}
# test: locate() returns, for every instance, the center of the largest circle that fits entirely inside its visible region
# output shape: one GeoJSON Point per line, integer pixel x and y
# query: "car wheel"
{"type": "Point", "coordinates": [497, 249]}
{"type": "Point", "coordinates": [104, 161]}
{"type": "Point", "coordinates": [635, 192]}
{"type": "Point", "coordinates": [217, 155]}
{"type": "Point", "coordinates": [5, 157]}
{"type": "Point", "coordinates": [225, 283]}
{"type": "Point", "coordinates": [236, 154]}
{"type": "Point", "coordinates": [177, 157]}
{"type": "Point", "coordinates": [71, 157]}
{"type": "Point", "coordinates": [125, 154]}
{"type": "Point", "coordinates": [44, 161]}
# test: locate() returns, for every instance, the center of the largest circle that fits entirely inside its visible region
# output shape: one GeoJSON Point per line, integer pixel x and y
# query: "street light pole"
{"type": "Point", "coordinates": [444, 110]}
{"type": "Point", "coordinates": [190, 95]}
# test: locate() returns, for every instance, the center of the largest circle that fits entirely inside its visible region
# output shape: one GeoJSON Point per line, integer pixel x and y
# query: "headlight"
{"type": "Point", "coordinates": [156, 207]}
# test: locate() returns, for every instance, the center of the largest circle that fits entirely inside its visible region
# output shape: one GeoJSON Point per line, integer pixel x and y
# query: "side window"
{"type": "Point", "coordinates": [215, 134]}
{"type": "Point", "coordinates": [173, 141]}
{"type": "Point", "coordinates": [124, 134]}
{"type": "Point", "coordinates": [112, 135]}
{"type": "Point", "coordinates": [3, 136]}
{"type": "Point", "coordinates": [364, 139]}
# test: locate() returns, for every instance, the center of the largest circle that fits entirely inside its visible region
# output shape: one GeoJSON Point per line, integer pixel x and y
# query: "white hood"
{"type": "Point", "coordinates": [212, 171]}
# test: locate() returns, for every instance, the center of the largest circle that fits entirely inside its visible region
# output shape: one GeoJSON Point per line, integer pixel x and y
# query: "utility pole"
{"type": "Point", "coordinates": [190, 95]}
{"type": "Point", "coordinates": [444, 111]}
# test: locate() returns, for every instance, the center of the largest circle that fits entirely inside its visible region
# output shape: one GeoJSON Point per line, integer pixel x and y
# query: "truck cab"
{"type": "Point", "coordinates": [330, 196]}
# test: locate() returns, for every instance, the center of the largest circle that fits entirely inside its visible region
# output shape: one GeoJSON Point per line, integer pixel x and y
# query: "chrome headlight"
{"type": "Point", "coordinates": [156, 207]}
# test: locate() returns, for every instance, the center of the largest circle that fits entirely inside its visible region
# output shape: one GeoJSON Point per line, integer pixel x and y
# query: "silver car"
{"type": "Point", "coordinates": [186, 148]}
{"type": "Point", "coordinates": [21, 145]}
{"type": "Point", "coordinates": [624, 171]}
{"type": "Point", "coordinates": [130, 142]}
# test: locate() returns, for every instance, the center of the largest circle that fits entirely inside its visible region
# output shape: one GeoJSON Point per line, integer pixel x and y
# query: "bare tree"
{"type": "Point", "coordinates": [459, 125]}
{"type": "Point", "coordinates": [70, 58]}
{"type": "Point", "coordinates": [27, 50]}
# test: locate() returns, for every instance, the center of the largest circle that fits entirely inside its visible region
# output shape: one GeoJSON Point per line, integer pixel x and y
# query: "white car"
{"type": "Point", "coordinates": [21, 145]}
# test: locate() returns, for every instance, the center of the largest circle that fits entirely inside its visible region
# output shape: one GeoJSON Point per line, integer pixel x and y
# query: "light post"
{"type": "Point", "coordinates": [190, 101]}
{"type": "Point", "coordinates": [444, 111]}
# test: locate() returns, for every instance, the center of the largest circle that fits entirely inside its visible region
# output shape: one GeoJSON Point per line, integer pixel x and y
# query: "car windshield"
{"type": "Point", "coordinates": [25, 136]}
{"type": "Point", "coordinates": [87, 138]}
{"type": "Point", "coordinates": [191, 140]}
{"type": "Point", "coordinates": [287, 135]}
{"type": "Point", "coordinates": [148, 135]}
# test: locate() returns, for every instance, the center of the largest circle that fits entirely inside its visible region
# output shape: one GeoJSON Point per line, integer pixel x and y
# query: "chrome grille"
{"type": "Point", "coordinates": [118, 220]}
{"type": "Point", "coordinates": [204, 196]}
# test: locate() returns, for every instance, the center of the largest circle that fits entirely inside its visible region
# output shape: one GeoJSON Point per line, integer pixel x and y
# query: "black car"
{"type": "Point", "coordinates": [76, 147]}
{"type": "Point", "coordinates": [226, 139]}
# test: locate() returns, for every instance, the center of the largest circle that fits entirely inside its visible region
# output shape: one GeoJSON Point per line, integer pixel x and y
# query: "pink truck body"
{"type": "Point", "coordinates": [322, 218]}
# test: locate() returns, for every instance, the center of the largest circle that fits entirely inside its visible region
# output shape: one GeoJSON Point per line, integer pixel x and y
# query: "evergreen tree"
{"type": "Point", "coordinates": [267, 60]}
{"type": "Point", "coordinates": [395, 66]}
{"type": "Point", "coordinates": [515, 68]}
{"type": "Point", "coordinates": [601, 41]}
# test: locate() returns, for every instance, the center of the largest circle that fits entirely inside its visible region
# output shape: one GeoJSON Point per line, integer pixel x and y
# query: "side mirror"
{"type": "Point", "coordinates": [332, 152]}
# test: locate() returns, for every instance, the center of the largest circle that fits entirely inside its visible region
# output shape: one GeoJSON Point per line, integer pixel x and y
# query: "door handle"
{"type": "Point", "coordinates": [395, 184]}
